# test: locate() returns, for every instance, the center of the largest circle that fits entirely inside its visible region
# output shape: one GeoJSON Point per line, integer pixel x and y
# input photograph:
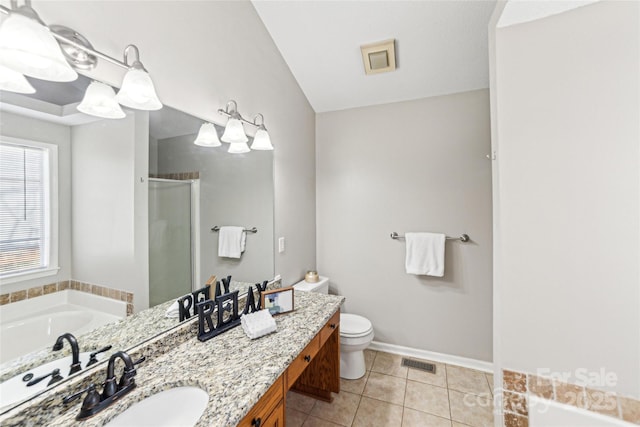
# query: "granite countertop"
{"type": "Point", "coordinates": [234, 370]}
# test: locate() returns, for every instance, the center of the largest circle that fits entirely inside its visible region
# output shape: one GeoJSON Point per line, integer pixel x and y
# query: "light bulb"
{"type": "Point", "coordinates": [207, 136]}
{"type": "Point", "coordinates": [100, 101]}
{"type": "Point", "coordinates": [138, 91]}
{"type": "Point", "coordinates": [238, 148]}
{"type": "Point", "coordinates": [234, 131]}
{"type": "Point", "coordinates": [13, 81]}
{"type": "Point", "coordinates": [261, 141]}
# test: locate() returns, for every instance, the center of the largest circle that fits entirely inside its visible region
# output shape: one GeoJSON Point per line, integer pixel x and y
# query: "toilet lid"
{"type": "Point", "coordinates": [352, 324]}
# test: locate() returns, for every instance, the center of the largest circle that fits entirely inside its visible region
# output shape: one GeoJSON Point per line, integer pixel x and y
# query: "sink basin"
{"type": "Point", "coordinates": [15, 389]}
{"type": "Point", "coordinates": [180, 406]}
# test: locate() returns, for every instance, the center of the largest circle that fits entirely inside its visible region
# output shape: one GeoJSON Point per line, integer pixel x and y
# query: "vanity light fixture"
{"type": "Point", "coordinates": [261, 140]}
{"type": "Point", "coordinates": [207, 136]}
{"type": "Point", "coordinates": [13, 81]}
{"type": "Point", "coordinates": [29, 47]}
{"type": "Point", "coordinates": [100, 101]}
{"type": "Point", "coordinates": [233, 131]}
{"type": "Point", "coordinates": [137, 88]}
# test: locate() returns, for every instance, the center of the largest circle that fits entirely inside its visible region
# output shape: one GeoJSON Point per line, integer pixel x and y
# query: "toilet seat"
{"type": "Point", "coordinates": [354, 326]}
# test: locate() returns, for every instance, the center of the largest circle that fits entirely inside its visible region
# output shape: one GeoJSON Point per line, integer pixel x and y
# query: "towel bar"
{"type": "Point", "coordinates": [462, 238]}
{"type": "Point", "coordinates": [216, 228]}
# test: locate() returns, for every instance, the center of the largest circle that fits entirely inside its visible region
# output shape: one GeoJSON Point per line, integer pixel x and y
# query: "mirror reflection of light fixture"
{"type": "Point", "coordinates": [261, 140]}
{"type": "Point", "coordinates": [28, 47]}
{"type": "Point", "coordinates": [207, 136]}
{"type": "Point", "coordinates": [137, 89]}
{"type": "Point", "coordinates": [234, 131]}
{"type": "Point", "coordinates": [238, 148]}
{"type": "Point", "coordinates": [13, 81]}
{"type": "Point", "coordinates": [100, 101]}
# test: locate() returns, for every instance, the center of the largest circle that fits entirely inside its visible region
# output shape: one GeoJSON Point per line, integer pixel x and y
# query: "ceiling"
{"type": "Point", "coordinates": [441, 48]}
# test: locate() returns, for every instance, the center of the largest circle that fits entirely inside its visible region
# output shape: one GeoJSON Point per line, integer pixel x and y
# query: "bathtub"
{"type": "Point", "coordinates": [35, 323]}
{"type": "Point", "coordinates": [545, 413]}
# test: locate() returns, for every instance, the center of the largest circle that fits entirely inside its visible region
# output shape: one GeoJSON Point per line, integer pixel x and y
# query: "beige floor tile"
{"type": "Point", "coordinates": [317, 422]}
{"type": "Point", "coordinates": [385, 387]}
{"type": "Point", "coordinates": [413, 418]}
{"type": "Point", "coordinates": [389, 364]}
{"type": "Point", "coordinates": [490, 381]}
{"type": "Point", "coordinates": [369, 356]}
{"type": "Point", "coordinates": [341, 411]}
{"type": "Point", "coordinates": [427, 398]}
{"type": "Point", "coordinates": [471, 409]}
{"type": "Point", "coordinates": [372, 412]}
{"type": "Point", "coordinates": [354, 386]}
{"type": "Point", "coordinates": [300, 402]}
{"type": "Point", "coordinates": [467, 380]}
{"type": "Point", "coordinates": [295, 418]}
{"type": "Point", "coordinates": [439, 378]}
{"type": "Point", "coordinates": [457, 424]}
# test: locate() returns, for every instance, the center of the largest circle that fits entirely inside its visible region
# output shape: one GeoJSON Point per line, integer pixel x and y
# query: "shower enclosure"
{"type": "Point", "coordinates": [173, 238]}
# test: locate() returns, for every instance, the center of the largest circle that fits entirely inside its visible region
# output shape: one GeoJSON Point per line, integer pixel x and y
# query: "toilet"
{"type": "Point", "coordinates": [356, 333]}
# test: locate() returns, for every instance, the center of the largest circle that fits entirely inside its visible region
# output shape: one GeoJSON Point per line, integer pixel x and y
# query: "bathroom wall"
{"type": "Point", "coordinates": [234, 190]}
{"type": "Point", "coordinates": [197, 67]}
{"type": "Point", "coordinates": [410, 166]}
{"type": "Point", "coordinates": [568, 212]}
{"type": "Point", "coordinates": [110, 215]}
{"type": "Point", "coordinates": [18, 126]}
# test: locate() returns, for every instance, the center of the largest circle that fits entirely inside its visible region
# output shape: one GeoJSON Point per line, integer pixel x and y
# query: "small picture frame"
{"type": "Point", "coordinates": [278, 301]}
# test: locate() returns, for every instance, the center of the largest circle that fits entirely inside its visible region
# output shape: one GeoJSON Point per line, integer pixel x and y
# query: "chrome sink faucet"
{"type": "Point", "coordinates": [75, 351]}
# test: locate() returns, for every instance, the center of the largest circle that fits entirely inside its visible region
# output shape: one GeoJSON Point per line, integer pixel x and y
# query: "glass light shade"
{"type": "Point", "coordinates": [261, 141]}
{"type": "Point", "coordinates": [13, 81]}
{"type": "Point", "coordinates": [138, 91]}
{"type": "Point", "coordinates": [234, 132]}
{"type": "Point", "coordinates": [238, 148]}
{"type": "Point", "coordinates": [207, 136]}
{"type": "Point", "coordinates": [100, 101]}
{"type": "Point", "coordinates": [26, 46]}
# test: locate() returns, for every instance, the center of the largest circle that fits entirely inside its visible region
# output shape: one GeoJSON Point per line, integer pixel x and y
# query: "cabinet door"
{"type": "Point", "coordinates": [276, 419]}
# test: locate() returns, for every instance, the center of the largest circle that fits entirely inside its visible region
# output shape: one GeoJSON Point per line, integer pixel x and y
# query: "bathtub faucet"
{"type": "Point", "coordinates": [75, 351]}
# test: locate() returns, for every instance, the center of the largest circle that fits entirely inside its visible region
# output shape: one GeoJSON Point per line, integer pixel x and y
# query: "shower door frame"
{"type": "Point", "coordinates": [194, 185]}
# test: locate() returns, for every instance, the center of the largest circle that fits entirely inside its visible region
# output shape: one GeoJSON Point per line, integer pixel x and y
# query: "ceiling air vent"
{"type": "Point", "coordinates": [379, 57]}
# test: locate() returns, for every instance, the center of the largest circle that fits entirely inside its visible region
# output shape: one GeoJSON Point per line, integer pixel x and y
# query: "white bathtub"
{"type": "Point", "coordinates": [544, 413]}
{"type": "Point", "coordinates": [35, 323]}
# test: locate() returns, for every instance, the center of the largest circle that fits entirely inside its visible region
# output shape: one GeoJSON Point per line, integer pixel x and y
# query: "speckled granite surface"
{"type": "Point", "coordinates": [122, 335]}
{"type": "Point", "coordinates": [233, 369]}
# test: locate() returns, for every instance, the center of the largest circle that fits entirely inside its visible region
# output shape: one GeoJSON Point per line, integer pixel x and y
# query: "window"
{"type": "Point", "coordinates": [28, 209]}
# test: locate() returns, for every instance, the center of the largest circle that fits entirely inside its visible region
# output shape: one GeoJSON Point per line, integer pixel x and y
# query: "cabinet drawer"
{"type": "Point", "coordinates": [276, 419]}
{"type": "Point", "coordinates": [302, 361]}
{"type": "Point", "coordinates": [331, 326]}
{"type": "Point", "coordinates": [265, 406]}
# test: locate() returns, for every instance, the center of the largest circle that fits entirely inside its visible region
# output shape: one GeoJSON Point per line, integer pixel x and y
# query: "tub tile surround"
{"type": "Point", "coordinates": [37, 291]}
{"type": "Point", "coordinates": [235, 370]}
{"type": "Point", "coordinates": [519, 386]}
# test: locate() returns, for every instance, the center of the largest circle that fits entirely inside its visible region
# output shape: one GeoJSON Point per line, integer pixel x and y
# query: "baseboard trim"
{"type": "Point", "coordinates": [465, 362]}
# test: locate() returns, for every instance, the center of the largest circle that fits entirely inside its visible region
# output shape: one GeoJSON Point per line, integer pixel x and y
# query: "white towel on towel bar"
{"type": "Point", "coordinates": [231, 241]}
{"type": "Point", "coordinates": [425, 253]}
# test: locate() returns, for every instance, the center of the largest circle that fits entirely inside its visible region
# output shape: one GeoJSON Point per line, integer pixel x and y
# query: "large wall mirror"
{"type": "Point", "coordinates": [137, 204]}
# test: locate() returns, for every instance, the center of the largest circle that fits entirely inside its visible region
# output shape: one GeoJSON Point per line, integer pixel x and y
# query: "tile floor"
{"type": "Point", "coordinates": [391, 395]}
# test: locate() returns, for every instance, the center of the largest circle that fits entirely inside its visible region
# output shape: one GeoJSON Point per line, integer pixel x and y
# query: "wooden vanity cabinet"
{"type": "Point", "coordinates": [314, 372]}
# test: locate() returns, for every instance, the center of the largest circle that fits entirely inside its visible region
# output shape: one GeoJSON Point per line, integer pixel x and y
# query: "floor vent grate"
{"type": "Point", "coordinates": [416, 364]}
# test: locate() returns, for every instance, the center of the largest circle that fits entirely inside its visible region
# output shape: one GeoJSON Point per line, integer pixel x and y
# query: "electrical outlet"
{"type": "Point", "coordinates": [281, 245]}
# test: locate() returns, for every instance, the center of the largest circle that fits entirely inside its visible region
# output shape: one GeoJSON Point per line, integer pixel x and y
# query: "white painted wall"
{"type": "Point", "coordinates": [18, 126]}
{"type": "Point", "coordinates": [235, 189]}
{"type": "Point", "coordinates": [410, 166]}
{"type": "Point", "coordinates": [567, 115]}
{"type": "Point", "coordinates": [109, 214]}
{"type": "Point", "coordinates": [198, 62]}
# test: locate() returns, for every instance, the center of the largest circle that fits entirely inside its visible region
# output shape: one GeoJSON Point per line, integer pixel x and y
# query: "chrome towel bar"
{"type": "Point", "coordinates": [216, 228]}
{"type": "Point", "coordinates": [462, 238]}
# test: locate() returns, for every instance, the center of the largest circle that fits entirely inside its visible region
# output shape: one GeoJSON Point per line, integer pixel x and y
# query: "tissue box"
{"type": "Point", "coordinates": [258, 324]}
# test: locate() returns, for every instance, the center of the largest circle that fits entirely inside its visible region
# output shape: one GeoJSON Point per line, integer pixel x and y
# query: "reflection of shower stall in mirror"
{"type": "Point", "coordinates": [174, 224]}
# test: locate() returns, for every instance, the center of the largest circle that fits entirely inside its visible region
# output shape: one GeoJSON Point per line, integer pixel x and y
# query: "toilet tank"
{"type": "Point", "coordinates": [321, 286]}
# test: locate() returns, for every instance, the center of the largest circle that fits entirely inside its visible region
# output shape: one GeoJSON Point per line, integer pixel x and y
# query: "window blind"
{"type": "Point", "coordinates": [23, 208]}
